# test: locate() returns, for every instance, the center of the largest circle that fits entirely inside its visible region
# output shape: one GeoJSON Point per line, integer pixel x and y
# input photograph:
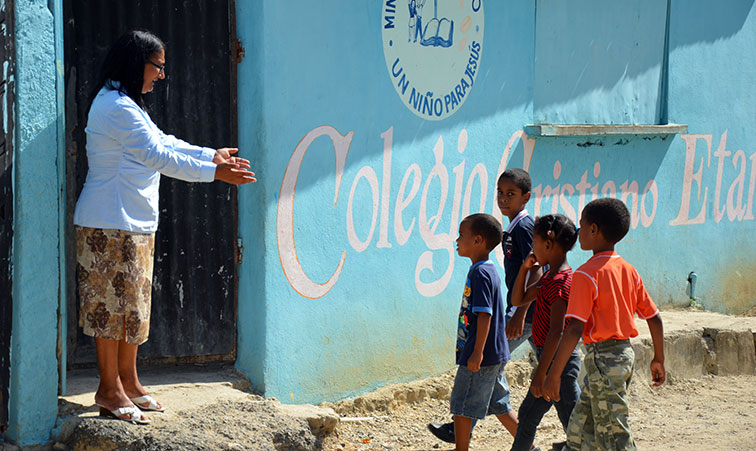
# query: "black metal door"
{"type": "Point", "coordinates": [194, 284]}
{"type": "Point", "coordinates": [6, 200]}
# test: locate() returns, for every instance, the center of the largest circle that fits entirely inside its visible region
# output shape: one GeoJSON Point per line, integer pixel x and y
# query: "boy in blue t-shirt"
{"type": "Point", "coordinates": [480, 386]}
{"type": "Point", "coordinates": [512, 194]}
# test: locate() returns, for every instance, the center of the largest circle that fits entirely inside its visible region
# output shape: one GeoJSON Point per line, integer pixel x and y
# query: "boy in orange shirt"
{"type": "Point", "coordinates": [606, 292]}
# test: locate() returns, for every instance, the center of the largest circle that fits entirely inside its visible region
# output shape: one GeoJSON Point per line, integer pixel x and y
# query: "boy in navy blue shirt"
{"type": "Point", "coordinates": [480, 386]}
{"type": "Point", "coordinates": [512, 194]}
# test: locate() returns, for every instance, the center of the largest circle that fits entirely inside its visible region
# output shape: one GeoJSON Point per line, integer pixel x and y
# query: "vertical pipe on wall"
{"type": "Point", "coordinates": [533, 63]}
{"type": "Point", "coordinates": [664, 79]}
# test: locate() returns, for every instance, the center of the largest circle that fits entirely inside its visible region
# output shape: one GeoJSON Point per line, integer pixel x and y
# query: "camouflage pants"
{"type": "Point", "coordinates": [600, 418]}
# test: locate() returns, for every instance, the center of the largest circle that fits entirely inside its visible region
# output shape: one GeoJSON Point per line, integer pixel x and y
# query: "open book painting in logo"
{"type": "Point", "coordinates": [434, 61]}
{"type": "Point", "coordinates": [438, 33]}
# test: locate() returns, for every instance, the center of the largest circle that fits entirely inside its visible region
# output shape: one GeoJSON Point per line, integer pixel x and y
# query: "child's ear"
{"type": "Point", "coordinates": [526, 197]}
{"type": "Point", "coordinates": [594, 229]}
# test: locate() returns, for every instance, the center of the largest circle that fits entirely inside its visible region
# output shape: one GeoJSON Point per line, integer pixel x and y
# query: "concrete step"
{"type": "Point", "coordinates": [700, 343]}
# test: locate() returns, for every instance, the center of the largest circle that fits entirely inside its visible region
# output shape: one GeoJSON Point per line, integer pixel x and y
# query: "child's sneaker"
{"type": "Point", "coordinates": [443, 432]}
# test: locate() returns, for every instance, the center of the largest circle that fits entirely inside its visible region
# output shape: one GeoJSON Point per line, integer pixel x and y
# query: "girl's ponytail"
{"type": "Point", "coordinates": [558, 228]}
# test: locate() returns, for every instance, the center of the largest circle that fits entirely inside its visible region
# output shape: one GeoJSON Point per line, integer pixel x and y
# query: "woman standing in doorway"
{"type": "Point", "coordinates": [117, 213]}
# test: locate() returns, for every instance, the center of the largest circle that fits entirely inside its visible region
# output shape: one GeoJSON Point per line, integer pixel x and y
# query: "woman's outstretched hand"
{"type": "Point", "coordinates": [233, 170]}
{"type": "Point", "coordinates": [234, 173]}
{"type": "Point", "coordinates": [224, 154]}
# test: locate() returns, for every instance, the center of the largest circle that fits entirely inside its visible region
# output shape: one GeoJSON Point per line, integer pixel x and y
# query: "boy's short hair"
{"type": "Point", "coordinates": [610, 215]}
{"type": "Point", "coordinates": [486, 226]}
{"type": "Point", "coordinates": [519, 177]}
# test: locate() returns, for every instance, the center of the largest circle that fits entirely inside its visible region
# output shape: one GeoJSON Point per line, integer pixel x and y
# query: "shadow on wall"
{"type": "Point", "coordinates": [588, 45]}
{"type": "Point", "coordinates": [342, 79]}
{"type": "Point", "coordinates": [707, 21]}
{"type": "Point", "coordinates": [626, 167]}
{"type": "Point", "coordinates": [347, 85]}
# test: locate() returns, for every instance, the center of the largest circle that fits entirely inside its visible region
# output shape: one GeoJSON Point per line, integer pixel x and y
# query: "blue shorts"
{"type": "Point", "coordinates": [482, 393]}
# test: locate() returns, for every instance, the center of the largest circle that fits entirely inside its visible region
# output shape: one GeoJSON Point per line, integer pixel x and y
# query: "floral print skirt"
{"type": "Point", "coordinates": [114, 273]}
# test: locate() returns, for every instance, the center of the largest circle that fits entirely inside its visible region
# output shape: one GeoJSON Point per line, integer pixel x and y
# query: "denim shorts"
{"type": "Point", "coordinates": [482, 393]}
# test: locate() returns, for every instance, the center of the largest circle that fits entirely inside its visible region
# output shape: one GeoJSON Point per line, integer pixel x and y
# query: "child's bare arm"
{"type": "Point", "coordinates": [567, 344]}
{"type": "Point", "coordinates": [526, 295]}
{"type": "Point", "coordinates": [523, 295]}
{"type": "Point", "coordinates": [556, 326]}
{"type": "Point", "coordinates": [484, 325]}
{"type": "Point", "coordinates": [516, 324]}
{"type": "Point", "coordinates": [658, 372]}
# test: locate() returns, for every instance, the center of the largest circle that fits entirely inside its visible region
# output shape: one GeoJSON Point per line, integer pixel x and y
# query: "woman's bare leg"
{"type": "Point", "coordinates": [127, 356]}
{"type": "Point", "coordinates": [110, 392]}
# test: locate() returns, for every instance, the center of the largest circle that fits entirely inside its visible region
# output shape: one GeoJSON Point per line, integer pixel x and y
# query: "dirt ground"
{"type": "Point", "coordinates": [709, 413]}
{"type": "Point", "coordinates": [700, 412]}
{"type": "Point", "coordinates": [212, 408]}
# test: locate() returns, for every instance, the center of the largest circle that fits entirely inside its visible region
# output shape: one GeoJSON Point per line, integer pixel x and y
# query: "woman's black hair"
{"type": "Point", "coordinates": [558, 228]}
{"type": "Point", "coordinates": [125, 62]}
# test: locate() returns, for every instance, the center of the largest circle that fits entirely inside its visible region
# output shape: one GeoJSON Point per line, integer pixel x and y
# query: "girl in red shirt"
{"type": "Point", "coordinates": [553, 237]}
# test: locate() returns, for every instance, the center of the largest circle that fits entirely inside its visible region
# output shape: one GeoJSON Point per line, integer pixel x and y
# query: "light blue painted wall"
{"type": "Point", "coordinates": [673, 233]}
{"type": "Point", "coordinates": [598, 61]}
{"type": "Point", "coordinates": [310, 65]}
{"type": "Point", "coordinates": [253, 208]}
{"type": "Point", "coordinates": [676, 229]}
{"type": "Point", "coordinates": [712, 69]}
{"type": "Point", "coordinates": [33, 401]}
{"type": "Point", "coordinates": [313, 69]}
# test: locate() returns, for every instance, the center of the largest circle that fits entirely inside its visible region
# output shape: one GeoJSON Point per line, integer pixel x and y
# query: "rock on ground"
{"type": "Point", "coordinates": [249, 423]}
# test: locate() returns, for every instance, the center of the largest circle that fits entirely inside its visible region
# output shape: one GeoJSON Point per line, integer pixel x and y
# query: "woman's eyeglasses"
{"type": "Point", "coordinates": [162, 68]}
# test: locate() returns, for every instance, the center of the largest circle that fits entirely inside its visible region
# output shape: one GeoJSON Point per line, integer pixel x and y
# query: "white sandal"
{"type": "Point", "coordinates": [133, 414]}
{"type": "Point", "coordinates": [152, 406]}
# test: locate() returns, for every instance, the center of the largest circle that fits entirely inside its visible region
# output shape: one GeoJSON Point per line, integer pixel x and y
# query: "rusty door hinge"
{"type": "Point", "coordinates": [238, 51]}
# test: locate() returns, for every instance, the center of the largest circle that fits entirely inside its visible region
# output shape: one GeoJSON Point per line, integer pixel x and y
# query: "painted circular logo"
{"type": "Point", "coordinates": [432, 50]}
